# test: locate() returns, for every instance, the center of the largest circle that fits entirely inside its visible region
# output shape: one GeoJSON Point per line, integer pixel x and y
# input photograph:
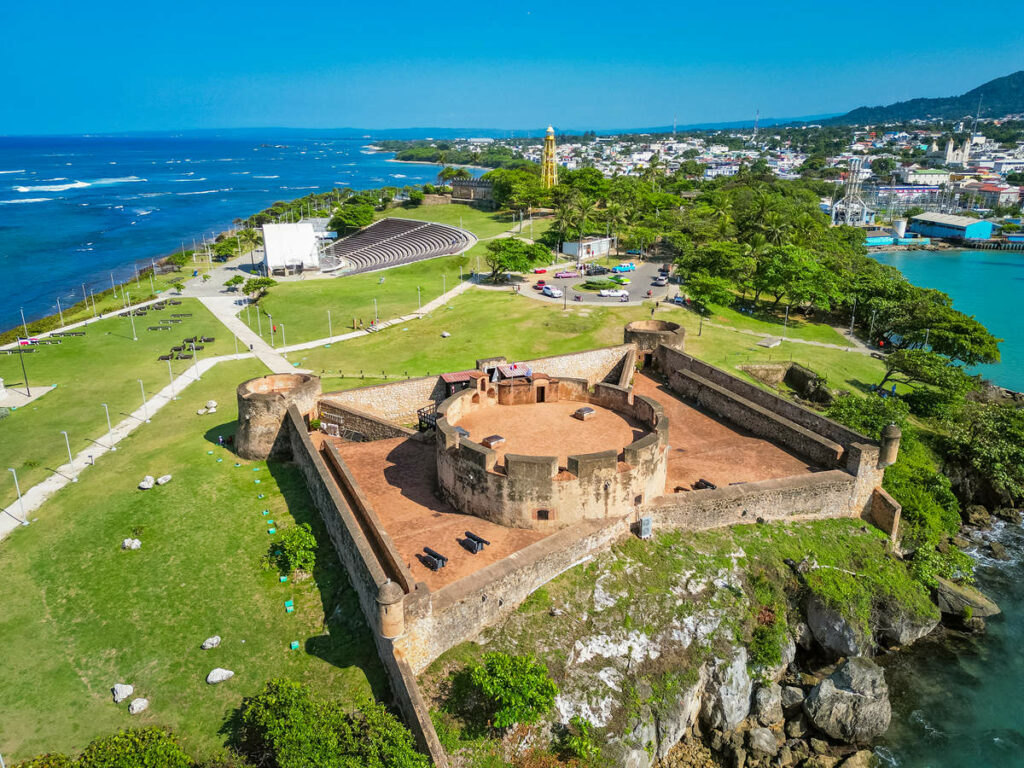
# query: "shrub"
{"type": "Point", "coordinates": [578, 740]}
{"type": "Point", "coordinates": [284, 727]}
{"type": "Point", "coordinates": [314, 424]}
{"type": "Point", "coordinates": [298, 549]}
{"type": "Point", "coordinates": [416, 197]}
{"type": "Point", "coordinates": [869, 415]}
{"type": "Point", "coordinates": [54, 760]}
{"type": "Point", "coordinates": [516, 689]}
{"type": "Point", "coordinates": [138, 748]}
{"type": "Point", "coordinates": [769, 615]}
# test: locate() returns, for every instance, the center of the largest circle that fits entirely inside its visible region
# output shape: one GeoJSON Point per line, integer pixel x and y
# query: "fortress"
{"type": "Point", "coordinates": [450, 499]}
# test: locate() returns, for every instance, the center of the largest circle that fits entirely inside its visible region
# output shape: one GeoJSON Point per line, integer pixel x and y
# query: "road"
{"type": "Point", "coordinates": [641, 281]}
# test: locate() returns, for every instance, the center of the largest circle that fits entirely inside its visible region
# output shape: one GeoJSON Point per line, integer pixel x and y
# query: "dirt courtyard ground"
{"type": "Point", "coordinates": [549, 429]}
{"type": "Point", "coordinates": [399, 476]}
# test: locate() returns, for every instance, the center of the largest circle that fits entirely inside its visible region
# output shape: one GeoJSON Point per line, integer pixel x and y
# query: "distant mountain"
{"type": "Point", "coordinates": [999, 97]}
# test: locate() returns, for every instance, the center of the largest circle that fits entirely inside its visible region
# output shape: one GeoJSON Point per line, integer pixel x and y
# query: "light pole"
{"type": "Point", "coordinates": [259, 322]}
{"type": "Point", "coordinates": [21, 501]}
{"type": "Point", "coordinates": [131, 316]}
{"type": "Point", "coordinates": [270, 317]}
{"type": "Point", "coordinates": [196, 353]}
{"type": "Point", "coordinates": [60, 312]}
{"type": "Point", "coordinates": [330, 332]}
{"type": "Point", "coordinates": [110, 432]}
{"type": "Point", "coordinates": [71, 459]}
{"type": "Point", "coordinates": [444, 283]}
{"type": "Point", "coordinates": [145, 408]}
{"type": "Point", "coordinates": [419, 300]}
{"type": "Point", "coordinates": [93, 297]}
{"type": "Point", "coordinates": [24, 373]}
{"type": "Point", "coordinates": [23, 323]}
{"type": "Point", "coordinates": [170, 375]}
{"type": "Point", "coordinates": [284, 340]}
{"type": "Point", "coordinates": [375, 310]}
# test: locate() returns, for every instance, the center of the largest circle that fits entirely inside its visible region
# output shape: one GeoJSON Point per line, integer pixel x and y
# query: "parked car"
{"type": "Point", "coordinates": [662, 280]}
{"type": "Point", "coordinates": [565, 275]}
{"type": "Point", "coordinates": [613, 292]}
{"type": "Point", "coordinates": [539, 271]}
{"type": "Point", "coordinates": [554, 293]}
{"type": "Point", "coordinates": [633, 252]}
{"type": "Point", "coordinates": [539, 285]}
{"type": "Point", "coordinates": [596, 269]}
{"type": "Point", "coordinates": [621, 280]}
{"type": "Point", "coordinates": [630, 267]}
{"type": "Point", "coordinates": [664, 269]}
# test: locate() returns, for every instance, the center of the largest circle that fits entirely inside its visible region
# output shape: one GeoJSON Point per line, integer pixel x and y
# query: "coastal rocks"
{"type": "Point", "coordinates": [898, 627]}
{"type": "Point", "coordinates": [137, 706]}
{"type": "Point", "coordinates": [662, 724]}
{"type": "Point", "coordinates": [219, 675]}
{"type": "Point", "coordinates": [834, 633]}
{"type": "Point", "coordinates": [977, 516]}
{"type": "Point", "coordinates": [1009, 514]}
{"type": "Point", "coordinates": [768, 704]}
{"type": "Point", "coordinates": [865, 758]}
{"type": "Point", "coordinates": [147, 482]}
{"type": "Point", "coordinates": [210, 642]}
{"type": "Point", "coordinates": [998, 551]}
{"type": "Point", "coordinates": [761, 741]}
{"type": "Point", "coordinates": [122, 691]}
{"type": "Point", "coordinates": [727, 695]}
{"type": "Point", "coordinates": [131, 544]}
{"type": "Point", "coordinates": [852, 704]}
{"type": "Point", "coordinates": [956, 599]}
{"type": "Point", "coordinates": [791, 697]}
{"type": "Point", "coordinates": [163, 480]}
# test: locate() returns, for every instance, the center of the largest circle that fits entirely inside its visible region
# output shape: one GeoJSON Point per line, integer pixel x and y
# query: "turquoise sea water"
{"type": "Point", "coordinates": [987, 284]}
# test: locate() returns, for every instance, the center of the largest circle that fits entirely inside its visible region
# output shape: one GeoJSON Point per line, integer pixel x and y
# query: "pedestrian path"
{"type": "Point", "coordinates": [225, 309]}
{"type": "Point", "coordinates": [33, 498]}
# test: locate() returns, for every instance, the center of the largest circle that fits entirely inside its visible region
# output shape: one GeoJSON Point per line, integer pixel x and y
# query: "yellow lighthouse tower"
{"type": "Point", "coordinates": [548, 166]}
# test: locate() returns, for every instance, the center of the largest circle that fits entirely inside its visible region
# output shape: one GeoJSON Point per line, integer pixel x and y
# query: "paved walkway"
{"type": "Point", "coordinates": [33, 498]}
{"type": "Point", "coordinates": [226, 310]}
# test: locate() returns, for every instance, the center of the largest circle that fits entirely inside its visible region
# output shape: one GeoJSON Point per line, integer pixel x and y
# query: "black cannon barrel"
{"type": "Point", "coordinates": [437, 556]}
{"type": "Point", "coordinates": [479, 539]}
{"type": "Point", "coordinates": [431, 562]}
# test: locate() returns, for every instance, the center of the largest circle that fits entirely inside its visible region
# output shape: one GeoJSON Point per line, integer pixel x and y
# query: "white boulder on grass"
{"type": "Point", "coordinates": [200, 412]}
{"type": "Point", "coordinates": [122, 691]}
{"type": "Point", "coordinates": [211, 410]}
{"type": "Point", "coordinates": [211, 642]}
{"type": "Point", "coordinates": [211, 404]}
{"type": "Point", "coordinates": [147, 483]}
{"type": "Point", "coordinates": [131, 544]}
{"type": "Point", "coordinates": [137, 706]}
{"type": "Point", "coordinates": [219, 675]}
{"type": "Point", "coordinates": [163, 480]}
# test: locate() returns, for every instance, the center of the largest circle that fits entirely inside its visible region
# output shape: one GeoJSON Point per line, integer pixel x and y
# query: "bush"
{"type": "Point", "coordinates": [55, 760]}
{"type": "Point", "coordinates": [139, 748]}
{"type": "Point", "coordinates": [284, 727]}
{"type": "Point", "coordinates": [298, 549]}
{"type": "Point", "coordinates": [416, 197]}
{"type": "Point", "coordinates": [578, 740]}
{"type": "Point", "coordinates": [869, 415]}
{"type": "Point", "coordinates": [516, 689]}
{"type": "Point", "coordinates": [769, 616]}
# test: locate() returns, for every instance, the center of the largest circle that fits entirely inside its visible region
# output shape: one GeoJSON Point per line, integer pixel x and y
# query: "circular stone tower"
{"type": "Point", "coordinates": [262, 405]}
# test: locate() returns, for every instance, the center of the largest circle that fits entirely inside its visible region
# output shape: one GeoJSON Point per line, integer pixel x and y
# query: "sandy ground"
{"type": "Point", "coordinates": [702, 446]}
{"type": "Point", "coordinates": [398, 476]}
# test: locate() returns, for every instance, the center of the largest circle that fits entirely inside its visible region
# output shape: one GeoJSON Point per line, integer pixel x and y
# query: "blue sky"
{"type": "Point", "coordinates": [112, 66]}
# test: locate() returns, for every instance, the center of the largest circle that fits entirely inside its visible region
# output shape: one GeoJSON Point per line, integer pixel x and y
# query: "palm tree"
{"type": "Point", "coordinates": [565, 219]}
{"type": "Point", "coordinates": [615, 215]}
{"type": "Point", "coordinates": [775, 228]}
{"type": "Point", "coordinates": [586, 211]}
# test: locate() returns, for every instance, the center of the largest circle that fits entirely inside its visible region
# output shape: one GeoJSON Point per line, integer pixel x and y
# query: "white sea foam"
{"type": "Point", "coordinates": [26, 200]}
{"type": "Point", "coordinates": [79, 184]}
{"type": "Point", "coordinates": [20, 170]}
{"type": "Point", "coordinates": [198, 178]}
{"type": "Point", "coordinates": [312, 187]}
{"type": "Point", "coordinates": [204, 192]}
{"type": "Point", "coordinates": [266, 177]}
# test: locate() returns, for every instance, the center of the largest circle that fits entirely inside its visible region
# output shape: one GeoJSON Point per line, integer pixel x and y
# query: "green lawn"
{"type": "Point", "coordinates": [480, 223]}
{"type": "Point", "coordinates": [80, 614]}
{"type": "Point", "coordinates": [766, 320]}
{"type": "Point", "coordinates": [484, 323]}
{"type": "Point", "coordinates": [101, 367]}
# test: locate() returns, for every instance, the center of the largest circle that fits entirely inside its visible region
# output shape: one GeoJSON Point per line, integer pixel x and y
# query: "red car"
{"type": "Point", "coordinates": [539, 271]}
{"type": "Point", "coordinates": [539, 286]}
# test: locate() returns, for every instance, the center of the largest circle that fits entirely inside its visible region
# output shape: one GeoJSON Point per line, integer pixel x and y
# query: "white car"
{"type": "Point", "coordinates": [550, 290]}
{"type": "Point", "coordinates": [613, 292]}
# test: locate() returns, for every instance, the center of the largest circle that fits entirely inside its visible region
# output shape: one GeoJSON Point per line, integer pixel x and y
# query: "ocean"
{"type": "Point", "coordinates": [75, 210]}
{"type": "Point", "coordinates": [987, 284]}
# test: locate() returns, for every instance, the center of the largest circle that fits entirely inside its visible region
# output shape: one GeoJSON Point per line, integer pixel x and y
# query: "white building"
{"type": "Point", "coordinates": [290, 248]}
{"type": "Point", "coordinates": [592, 247]}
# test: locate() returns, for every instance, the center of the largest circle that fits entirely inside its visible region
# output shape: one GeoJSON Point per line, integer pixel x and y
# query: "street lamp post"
{"type": "Point", "coordinates": [23, 323]}
{"type": "Point", "coordinates": [170, 375]}
{"type": "Point", "coordinates": [145, 408]}
{"type": "Point", "coordinates": [60, 312]}
{"type": "Point", "coordinates": [196, 353]}
{"type": "Point", "coordinates": [270, 317]}
{"type": "Point", "coordinates": [131, 316]}
{"type": "Point", "coordinates": [24, 373]}
{"type": "Point", "coordinates": [330, 331]}
{"type": "Point", "coordinates": [284, 340]}
{"type": "Point", "coordinates": [110, 432]}
{"type": "Point", "coordinates": [419, 300]}
{"type": "Point", "coordinates": [375, 310]}
{"type": "Point", "coordinates": [71, 459]}
{"type": "Point", "coordinates": [21, 501]}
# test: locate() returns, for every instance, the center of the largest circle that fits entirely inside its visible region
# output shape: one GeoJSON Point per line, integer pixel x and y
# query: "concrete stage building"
{"type": "Point", "coordinates": [290, 248]}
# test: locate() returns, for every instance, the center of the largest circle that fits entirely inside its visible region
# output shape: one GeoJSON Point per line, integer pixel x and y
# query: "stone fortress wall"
{"type": "Point", "coordinates": [411, 625]}
{"type": "Point", "coordinates": [533, 491]}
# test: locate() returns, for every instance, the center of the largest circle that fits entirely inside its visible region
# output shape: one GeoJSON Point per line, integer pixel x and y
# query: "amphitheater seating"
{"type": "Point", "coordinates": [391, 242]}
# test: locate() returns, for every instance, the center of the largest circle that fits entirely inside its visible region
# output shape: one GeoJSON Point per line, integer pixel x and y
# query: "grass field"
{"type": "Point", "coordinates": [766, 320]}
{"type": "Point", "coordinates": [80, 614]}
{"type": "Point", "coordinates": [101, 367]}
{"type": "Point", "coordinates": [484, 323]}
{"type": "Point", "coordinates": [480, 223]}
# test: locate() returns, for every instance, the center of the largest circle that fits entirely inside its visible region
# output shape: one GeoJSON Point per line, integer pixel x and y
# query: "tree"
{"type": "Point", "coordinates": [705, 290]}
{"type": "Point", "coordinates": [510, 254]}
{"type": "Point", "coordinates": [516, 689]}
{"type": "Point", "coordinates": [416, 197]}
{"type": "Point", "coordinates": [234, 282]}
{"type": "Point", "coordinates": [298, 549]}
{"type": "Point", "coordinates": [257, 287]}
{"type": "Point", "coordinates": [990, 440]}
{"type": "Point", "coordinates": [921, 366]}
{"type": "Point", "coordinates": [351, 216]}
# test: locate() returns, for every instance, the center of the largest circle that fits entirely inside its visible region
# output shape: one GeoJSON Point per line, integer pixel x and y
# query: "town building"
{"type": "Point", "coordinates": [950, 227]}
